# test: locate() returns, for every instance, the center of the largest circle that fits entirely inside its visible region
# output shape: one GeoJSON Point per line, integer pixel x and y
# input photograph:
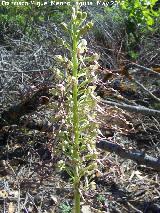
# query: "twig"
{"type": "Point", "coordinates": [146, 90]}
{"type": "Point", "coordinates": [134, 208]}
{"type": "Point", "coordinates": [25, 71]}
{"type": "Point", "coordinates": [19, 198]}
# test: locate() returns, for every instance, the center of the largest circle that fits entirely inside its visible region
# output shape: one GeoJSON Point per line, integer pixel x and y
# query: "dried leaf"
{"type": "Point", "coordinates": [86, 209]}
{"type": "Point", "coordinates": [3, 194]}
{"type": "Point", "coordinates": [54, 198]}
{"type": "Point", "coordinates": [11, 208]}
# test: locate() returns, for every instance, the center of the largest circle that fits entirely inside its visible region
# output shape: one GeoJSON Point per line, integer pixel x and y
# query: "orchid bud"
{"type": "Point", "coordinates": [85, 28]}
{"type": "Point", "coordinates": [58, 58]}
{"type": "Point", "coordinates": [84, 15]}
{"type": "Point", "coordinates": [64, 26]}
{"type": "Point", "coordinates": [79, 15]}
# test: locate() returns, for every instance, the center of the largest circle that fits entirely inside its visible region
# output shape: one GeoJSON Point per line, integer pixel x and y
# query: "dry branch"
{"type": "Point", "coordinates": [139, 157]}
{"type": "Point", "coordinates": [145, 68]}
{"type": "Point", "coordinates": [130, 108]}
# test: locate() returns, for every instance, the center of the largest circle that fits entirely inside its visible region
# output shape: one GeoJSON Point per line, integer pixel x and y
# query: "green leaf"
{"type": "Point", "coordinates": [150, 21]}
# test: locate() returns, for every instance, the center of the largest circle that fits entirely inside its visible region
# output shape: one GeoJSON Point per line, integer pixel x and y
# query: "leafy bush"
{"type": "Point", "coordinates": [28, 16]}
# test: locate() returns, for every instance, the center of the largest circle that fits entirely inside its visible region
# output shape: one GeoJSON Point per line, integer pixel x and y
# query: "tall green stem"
{"type": "Point", "coordinates": [75, 121]}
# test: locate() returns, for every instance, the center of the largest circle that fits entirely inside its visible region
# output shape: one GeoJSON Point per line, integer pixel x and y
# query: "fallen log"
{"type": "Point", "coordinates": [42, 126]}
{"type": "Point", "coordinates": [140, 157]}
{"type": "Point", "coordinates": [12, 115]}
